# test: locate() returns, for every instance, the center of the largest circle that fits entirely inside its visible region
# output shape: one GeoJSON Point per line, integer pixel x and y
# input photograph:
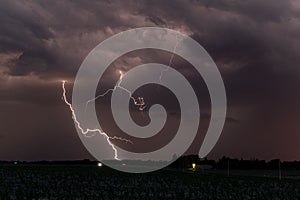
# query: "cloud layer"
{"type": "Point", "coordinates": [254, 43]}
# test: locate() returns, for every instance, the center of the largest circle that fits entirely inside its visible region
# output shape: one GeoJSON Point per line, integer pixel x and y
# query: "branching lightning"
{"type": "Point", "coordinates": [85, 132]}
{"type": "Point", "coordinates": [139, 102]}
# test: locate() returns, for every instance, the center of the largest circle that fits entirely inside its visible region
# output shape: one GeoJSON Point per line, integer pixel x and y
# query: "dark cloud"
{"type": "Point", "coordinates": [156, 20]}
{"type": "Point", "coordinates": [254, 43]}
{"type": "Point", "coordinates": [268, 10]}
{"type": "Point", "coordinates": [235, 33]}
{"type": "Point", "coordinates": [232, 120]}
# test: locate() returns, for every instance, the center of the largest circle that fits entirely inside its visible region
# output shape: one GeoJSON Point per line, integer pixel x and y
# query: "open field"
{"type": "Point", "coordinates": [91, 182]}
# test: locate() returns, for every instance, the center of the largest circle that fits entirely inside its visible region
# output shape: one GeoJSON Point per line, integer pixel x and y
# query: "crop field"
{"type": "Point", "coordinates": [92, 182]}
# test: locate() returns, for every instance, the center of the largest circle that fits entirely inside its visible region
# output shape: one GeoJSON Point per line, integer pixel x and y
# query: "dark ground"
{"type": "Point", "coordinates": [91, 182]}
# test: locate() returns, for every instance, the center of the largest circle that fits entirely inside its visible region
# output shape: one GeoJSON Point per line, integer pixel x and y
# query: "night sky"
{"type": "Point", "coordinates": [255, 44]}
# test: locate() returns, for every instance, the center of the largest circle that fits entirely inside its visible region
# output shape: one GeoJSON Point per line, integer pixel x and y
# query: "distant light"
{"type": "Point", "coordinates": [15, 163]}
{"type": "Point", "coordinates": [124, 164]}
{"type": "Point", "coordinates": [194, 166]}
{"type": "Point", "coordinates": [99, 164]}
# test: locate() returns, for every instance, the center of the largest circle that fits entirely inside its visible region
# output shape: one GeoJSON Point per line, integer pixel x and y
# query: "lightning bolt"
{"type": "Point", "coordinates": [170, 61]}
{"type": "Point", "coordinates": [139, 102]}
{"type": "Point", "coordinates": [85, 132]}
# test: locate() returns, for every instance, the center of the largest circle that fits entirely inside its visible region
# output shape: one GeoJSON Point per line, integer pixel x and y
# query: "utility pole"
{"type": "Point", "coordinates": [279, 170]}
{"type": "Point", "coordinates": [228, 167]}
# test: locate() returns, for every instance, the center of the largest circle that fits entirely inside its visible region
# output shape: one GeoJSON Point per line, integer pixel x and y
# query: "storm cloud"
{"type": "Point", "coordinates": [255, 45]}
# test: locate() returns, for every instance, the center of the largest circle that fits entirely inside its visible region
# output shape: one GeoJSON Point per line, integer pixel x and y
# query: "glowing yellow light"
{"type": "Point", "coordinates": [99, 164]}
{"type": "Point", "coordinates": [194, 165]}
